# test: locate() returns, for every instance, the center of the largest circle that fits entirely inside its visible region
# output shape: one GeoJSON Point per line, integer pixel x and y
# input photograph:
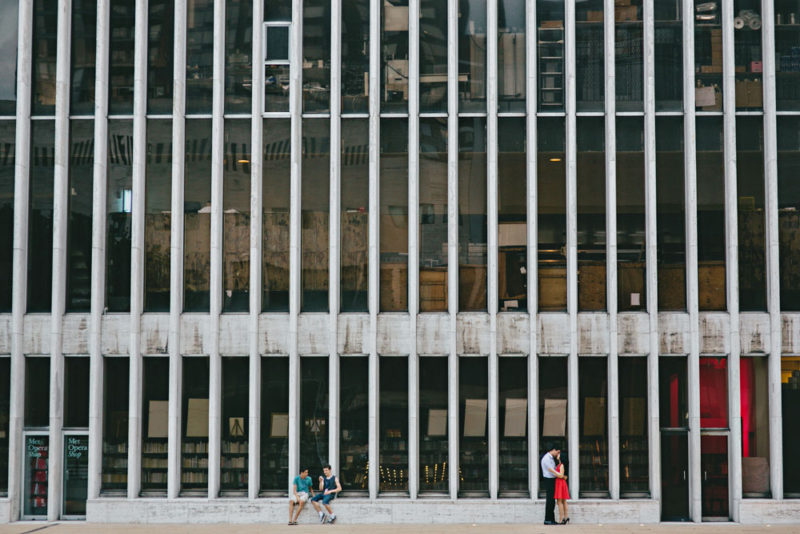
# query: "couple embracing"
{"type": "Point", "coordinates": [555, 483]}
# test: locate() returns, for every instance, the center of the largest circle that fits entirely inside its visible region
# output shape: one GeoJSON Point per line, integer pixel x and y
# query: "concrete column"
{"type": "Point", "coordinates": [772, 252]}
{"type": "Point", "coordinates": [452, 240]}
{"type": "Point", "coordinates": [609, 34]}
{"type": "Point", "coordinates": [256, 251]}
{"type": "Point", "coordinates": [176, 250]}
{"type": "Point", "coordinates": [137, 249]}
{"type": "Point", "coordinates": [19, 272]}
{"type": "Point", "coordinates": [98, 275]}
{"type": "Point", "coordinates": [732, 261]}
{"type": "Point", "coordinates": [60, 222]}
{"type": "Point", "coordinates": [374, 243]}
{"type": "Point", "coordinates": [334, 233]}
{"type": "Point", "coordinates": [651, 208]}
{"type": "Point", "coordinates": [572, 250]}
{"type": "Point", "coordinates": [492, 246]}
{"type": "Point", "coordinates": [413, 248]}
{"type": "Point", "coordinates": [215, 292]}
{"type": "Point", "coordinates": [532, 239]}
{"type": "Point", "coordinates": [692, 299]}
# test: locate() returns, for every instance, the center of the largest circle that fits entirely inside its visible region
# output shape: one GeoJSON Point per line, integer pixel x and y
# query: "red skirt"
{"type": "Point", "coordinates": [562, 491]}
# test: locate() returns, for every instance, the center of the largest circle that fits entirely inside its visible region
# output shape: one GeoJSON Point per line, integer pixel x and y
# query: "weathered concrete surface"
{"type": "Point", "coordinates": [312, 334]}
{"type": "Point", "coordinates": [393, 337]}
{"type": "Point", "coordinates": [194, 333]}
{"type": "Point", "coordinates": [673, 333]}
{"type": "Point", "coordinates": [273, 333]}
{"type": "Point", "coordinates": [432, 334]}
{"type": "Point", "coordinates": [754, 333]}
{"type": "Point", "coordinates": [593, 333]}
{"type": "Point", "coordinates": [353, 333]}
{"type": "Point", "coordinates": [553, 335]}
{"type": "Point", "coordinates": [472, 333]}
{"type": "Point", "coordinates": [715, 335]}
{"type": "Point", "coordinates": [76, 333]}
{"type": "Point", "coordinates": [154, 333]}
{"type": "Point", "coordinates": [633, 336]}
{"type": "Point", "coordinates": [513, 333]}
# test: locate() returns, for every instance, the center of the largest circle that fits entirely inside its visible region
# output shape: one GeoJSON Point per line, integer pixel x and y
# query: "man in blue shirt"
{"type": "Point", "coordinates": [328, 486]}
{"type": "Point", "coordinates": [550, 474]}
{"type": "Point", "coordinates": [301, 493]}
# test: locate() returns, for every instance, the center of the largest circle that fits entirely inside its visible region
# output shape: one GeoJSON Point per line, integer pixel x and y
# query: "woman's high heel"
{"type": "Point", "coordinates": [564, 522]}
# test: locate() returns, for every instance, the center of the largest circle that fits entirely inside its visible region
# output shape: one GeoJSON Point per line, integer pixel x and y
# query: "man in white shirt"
{"type": "Point", "coordinates": [550, 474]}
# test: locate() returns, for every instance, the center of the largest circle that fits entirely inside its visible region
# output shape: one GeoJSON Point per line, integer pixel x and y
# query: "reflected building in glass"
{"type": "Point", "coordinates": [421, 241]}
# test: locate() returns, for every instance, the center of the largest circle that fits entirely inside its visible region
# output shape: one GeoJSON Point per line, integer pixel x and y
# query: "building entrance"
{"type": "Point", "coordinates": [674, 476]}
{"type": "Point", "coordinates": [76, 475]}
{"type": "Point", "coordinates": [34, 490]}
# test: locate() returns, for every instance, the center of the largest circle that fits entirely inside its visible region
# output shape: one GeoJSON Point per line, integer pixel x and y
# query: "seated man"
{"type": "Point", "coordinates": [328, 487]}
{"type": "Point", "coordinates": [301, 492]}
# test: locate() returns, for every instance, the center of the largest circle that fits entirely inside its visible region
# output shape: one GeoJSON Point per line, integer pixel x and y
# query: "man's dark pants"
{"type": "Point", "coordinates": [550, 504]}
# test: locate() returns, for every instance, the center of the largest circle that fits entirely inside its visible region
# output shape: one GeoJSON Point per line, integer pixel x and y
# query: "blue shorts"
{"type": "Point", "coordinates": [326, 499]}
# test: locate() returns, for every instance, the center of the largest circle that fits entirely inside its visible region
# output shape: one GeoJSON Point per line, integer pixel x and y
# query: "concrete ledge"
{"type": "Point", "coordinates": [353, 510]}
{"type": "Point", "coordinates": [766, 511]}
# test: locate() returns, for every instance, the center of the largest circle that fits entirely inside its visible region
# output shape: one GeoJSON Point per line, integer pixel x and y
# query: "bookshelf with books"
{"type": "Point", "coordinates": [115, 468]}
{"type": "Point", "coordinates": [233, 465]}
{"type": "Point", "coordinates": [154, 465]}
{"type": "Point", "coordinates": [433, 465]}
{"type": "Point", "coordinates": [634, 466]}
{"type": "Point", "coordinates": [194, 465]}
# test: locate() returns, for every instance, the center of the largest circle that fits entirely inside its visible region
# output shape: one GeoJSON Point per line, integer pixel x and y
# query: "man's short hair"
{"type": "Point", "coordinates": [549, 446]}
{"type": "Point", "coordinates": [326, 466]}
{"type": "Point", "coordinates": [303, 469]}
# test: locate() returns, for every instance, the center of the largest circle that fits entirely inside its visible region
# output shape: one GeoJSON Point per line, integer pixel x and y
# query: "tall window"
{"type": "Point", "coordinates": [236, 217]}
{"type": "Point", "coordinates": [789, 210]}
{"type": "Point", "coordinates": [472, 55]}
{"type": "Point", "coordinates": [199, 57]}
{"type": "Point", "coordinates": [713, 392]}
{"type": "Point", "coordinates": [277, 17]}
{"type": "Point", "coordinates": [747, 54]}
{"type": "Point", "coordinates": [432, 56]}
{"type": "Point", "coordinates": [197, 216]}
{"type": "Point", "coordinates": [593, 408]}
{"type": "Point", "coordinates": [5, 408]}
{"type": "Point", "coordinates": [433, 215]}
{"type": "Point", "coordinates": [670, 213]}
{"type": "Point", "coordinates": [590, 68]}
{"type": "Point", "coordinates": [394, 56]}
{"type": "Point", "coordinates": [235, 425]}
{"type": "Point", "coordinates": [512, 210]}
{"type": "Point", "coordinates": [433, 441]}
{"type": "Point", "coordinates": [511, 55]}
{"type": "Point", "coordinates": [633, 431]}
{"type": "Point", "coordinates": [161, 15]}
{"type": "Point", "coordinates": [238, 55]}
{"type": "Point", "coordinates": [37, 392]}
{"type": "Point", "coordinates": [552, 214]}
{"type": "Point", "coordinates": [472, 214]}
{"type": "Point", "coordinates": [708, 56]}
{"type": "Point", "coordinates": [393, 421]}
{"type": "Point", "coordinates": [314, 412]}
{"type": "Point", "coordinates": [552, 409]}
{"type": "Point", "coordinates": [119, 198]}
{"type": "Point", "coordinates": [710, 214]}
{"type": "Point", "coordinates": [79, 244]}
{"type": "Point", "coordinates": [40, 217]}
{"type": "Point", "coordinates": [631, 285]}
{"type": "Point", "coordinates": [8, 57]}
{"type": "Point", "coordinates": [158, 189]}
{"type": "Point", "coordinates": [155, 425]}
{"type": "Point", "coordinates": [76, 392]}
{"type": "Point", "coordinates": [513, 425]}
{"type": "Point", "coordinates": [668, 54]}
{"type": "Point", "coordinates": [394, 215]}
{"type": "Point", "coordinates": [275, 216]}
{"type": "Point", "coordinates": [355, 56]}
{"type": "Point", "coordinates": [628, 56]}
{"type": "Point", "coordinates": [591, 214]}
{"type": "Point", "coordinates": [790, 399]}
{"type": "Point", "coordinates": [752, 220]}
{"type": "Point", "coordinates": [787, 35]}
{"type": "Point", "coordinates": [354, 215]}
{"type": "Point", "coordinates": [755, 426]}
{"type": "Point", "coordinates": [316, 210]}
{"type": "Point", "coordinates": [82, 62]}
{"type": "Point", "coordinates": [274, 424]}
{"type": "Point", "coordinates": [473, 440]}
{"type": "Point", "coordinates": [120, 66]}
{"type": "Point", "coordinates": [354, 423]}
{"type": "Point", "coordinates": [316, 56]}
{"type": "Point", "coordinates": [7, 159]}
{"type": "Point", "coordinates": [43, 79]}
{"type": "Point", "coordinates": [194, 426]}
{"type": "Point", "coordinates": [116, 372]}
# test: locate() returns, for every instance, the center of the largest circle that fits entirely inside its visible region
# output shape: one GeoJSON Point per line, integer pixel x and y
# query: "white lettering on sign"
{"type": "Point", "coordinates": [76, 448]}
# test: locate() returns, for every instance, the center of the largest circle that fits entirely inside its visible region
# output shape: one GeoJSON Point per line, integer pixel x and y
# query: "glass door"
{"type": "Point", "coordinates": [34, 492]}
{"type": "Point", "coordinates": [674, 476]}
{"type": "Point", "coordinates": [76, 475]}
{"type": "Point", "coordinates": [714, 465]}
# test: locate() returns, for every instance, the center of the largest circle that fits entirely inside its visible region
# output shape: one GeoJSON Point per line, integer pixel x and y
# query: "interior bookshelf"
{"type": "Point", "coordinates": [115, 467]}
{"type": "Point", "coordinates": [154, 465]}
{"type": "Point", "coordinates": [194, 464]}
{"type": "Point", "coordinates": [233, 464]}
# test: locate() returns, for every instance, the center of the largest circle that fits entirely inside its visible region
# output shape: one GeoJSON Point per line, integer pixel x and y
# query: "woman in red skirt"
{"type": "Point", "coordinates": [562, 492]}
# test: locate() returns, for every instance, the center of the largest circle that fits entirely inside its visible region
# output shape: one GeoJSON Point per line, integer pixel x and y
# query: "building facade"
{"type": "Point", "coordinates": [415, 239]}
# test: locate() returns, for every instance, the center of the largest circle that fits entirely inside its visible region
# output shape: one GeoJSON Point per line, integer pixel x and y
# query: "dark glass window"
{"type": "Point", "coordinates": [551, 181]}
{"type": "Point", "coordinates": [43, 79]}
{"type": "Point", "coordinates": [355, 215]}
{"type": "Point", "coordinates": [631, 242]}
{"type": "Point", "coordinates": [752, 220]}
{"type": "Point", "coordinates": [37, 391]}
{"type": "Point", "coordinates": [593, 399]}
{"type": "Point", "coordinates": [115, 425]}
{"type": "Point", "coordinates": [236, 217]}
{"type": "Point", "coordinates": [713, 392]}
{"type": "Point", "coordinates": [590, 57]}
{"type": "Point", "coordinates": [5, 407]}
{"type": "Point", "coordinates": [8, 59]}
{"type": "Point", "coordinates": [238, 55]}
{"type": "Point", "coordinates": [789, 210]}
{"type": "Point", "coordinates": [511, 84]}
{"type": "Point", "coordinates": [747, 54]}
{"type": "Point", "coordinates": [315, 214]}
{"type": "Point", "coordinates": [633, 429]}
{"type": "Point", "coordinates": [472, 214]}
{"type": "Point", "coordinates": [708, 56]}
{"type": "Point", "coordinates": [313, 412]}
{"type": "Point", "coordinates": [790, 404]}
{"type": "Point", "coordinates": [512, 208]}
{"type": "Point", "coordinates": [274, 424]}
{"type": "Point", "coordinates": [672, 391]}
{"type": "Point", "coordinates": [629, 55]}
{"type": "Point", "coordinates": [710, 214]}
{"type": "Point", "coordinates": [275, 219]}
{"type": "Point", "coordinates": [355, 56]}
{"type": "Point", "coordinates": [199, 57]}
{"type": "Point", "coordinates": [158, 193]}
{"type": "Point", "coordinates": [433, 215]}
{"type": "Point", "coordinates": [393, 421]}
{"type": "Point", "coordinates": [394, 56]}
{"type": "Point", "coordinates": [473, 446]}
{"type": "Point", "coordinates": [394, 215]}
{"type": "Point", "coordinates": [277, 10]}
{"type": "Point", "coordinates": [194, 435]}
{"type": "Point", "coordinates": [669, 54]}
{"type": "Point", "coordinates": [119, 170]}
{"type": "Point", "coordinates": [197, 215]}
{"type": "Point", "coordinates": [155, 424]}
{"type": "Point", "coordinates": [433, 426]}
{"type": "Point", "coordinates": [552, 410]}
{"type": "Point", "coordinates": [76, 392]}
{"type": "Point", "coordinates": [82, 63]}
{"type": "Point", "coordinates": [235, 425]}
{"type": "Point", "coordinates": [787, 53]}
{"type": "Point", "coordinates": [121, 48]}
{"type": "Point", "coordinates": [316, 56]}
{"type": "Point", "coordinates": [755, 426]}
{"type": "Point", "coordinates": [7, 159]}
{"type": "Point", "coordinates": [550, 47]}
{"type": "Point", "coordinates": [40, 217]}
{"type": "Point", "coordinates": [432, 57]}
{"type": "Point", "coordinates": [276, 68]}
{"type": "Point", "coordinates": [354, 423]}
{"type": "Point", "coordinates": [472, 55]}
{"type": "Point", "coordinates": [160, 56]}
{"type": "Point", "coordinates": [591, 193]}
{"type": "Point", "coordinates": [670, 213]}
{"type": "Point", "coordinates": [79, 242]}
{"type": "Point", "coordinates": [513, 425]}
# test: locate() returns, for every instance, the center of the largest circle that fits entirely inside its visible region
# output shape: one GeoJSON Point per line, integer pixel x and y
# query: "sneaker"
{"type": "Point", "coordinates": [332, 519]}
{"type": "Point", "coordinates": [322, 518]}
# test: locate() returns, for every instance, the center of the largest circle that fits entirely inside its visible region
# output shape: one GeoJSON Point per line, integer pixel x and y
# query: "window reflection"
{"type": "Point", "coordinates": [708, 55]}
{"type": "Point", "coordinates": [274, 424]}
{"type": "Point", "coordinates": [633, 430]}
{"type": "Point", "coordinates": [670, 213]}
{"type": "Point", "coordinates": [550, 45]}
{"type": "Point", "coordinates": [316, 56]}
{"type": "Point", "coordinates": [511, 55]}
{"type": "Point", "coordinates": [119, 169]}
{"type": "Point", "coordinates": [316, 209]}
{"type": "Point", "coordinates": [513, 425]}
{"type": "Point", "coordinates": [120, 68]}
{"type": "Point", "coordinates": [472, 214]}
{"type": "Point", "coordinates": [432, 56]}
{"type": "Point", "coordinates": [158, 188]}
{"type": "Point", "coordinates": [710, 214]}
{"type": "Point", "coordinates": [199, 52]}
{"type": "Point", "coordinates": [714, 392]}
{"type": "Point", "coordinates": [589, 63]}
{"type": "Point", "coordinates": [790, 405]}
{"type": "Point", "coordinates": [355, 215]}
{"type": "Point", "coordinates": [238, 55]}
{"type": "Point", "coordinates": [628, 56]}
{"type": "Point", "coordinates": [235, 426]}
{"type": "Point", "coordinates": [313, 412]}
{"type": "Point", "coordinates": [394, 215]}
{"type": "Point", "coordinates": [355, 56]}
{"type": "Point", "coordinates": [159, 56]}
{"type": "Point", "coordinates": [788, 208]}
{"type": "Point", "coordinates": [393, 421]}
{"type": "Point", "coordinates": [40, 216]}
{"type": "Point", "coordinates": [7, 158]}
{"type": "Point", "coordinates": [787, 52]}
{"type": "Point", "coordinates": [473, 445]}
{"type": "Point", "coordinates": [593, 399]}
{"type": "Point", "coordinates": [79, 230]}
{"type": "Point", "coordinates": [275, 217]}
{"type": "Point", "coordinates": [194, 427]}
{"type": "Point", "coordinates": [236, 217]}
{"type": "Point", "coordinates": [755, 427]}
{"type": "Point", "coordinates": [76, 392]}
{"type": "Point", "coordinates": [631, 290]}
{"type": "Point", "coordinates": [433, 215]}
{"type": "Point", "coordinates": [115, 425]}
{"type": "Point", "coordinates": [472, 55]}
{"type": "Point", "coordinates": [394, 55]}
{"type": "Point", "coordinates": [512, 209]}
{"type": "Point", "coordinates": [668, 49]}
{"type": "Point", "coordinates": [552, 410]}
{"type": "Point", "coordinates": [197, 215]}
{"type": "Point", "coordinates": [43, 78]}
{"type": "Point", "coordinates": [552, 214]}
{"type": "Point", "coordinates": [591, 183]}
{"type": "Point", "coordinates": [747, 54]}
{"type": "Point", "coordinates": [750, 190]}
{"type": "Point", "coordinates": [84, 37]}
{"type": "Point", "coordinates": [37, 391]}
{"type": "Point", "coordinates": [8, 57]}
{"type": "Point", "coordinates": [354, 423]}
{"type": "Point", "coordinates": [433, 449]}
{"type": "Point", "coordinates": [672, 390]}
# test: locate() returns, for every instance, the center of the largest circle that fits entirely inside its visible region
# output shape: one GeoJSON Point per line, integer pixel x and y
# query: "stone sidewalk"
{"type": "Point", "coordinates": [680, 528]}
